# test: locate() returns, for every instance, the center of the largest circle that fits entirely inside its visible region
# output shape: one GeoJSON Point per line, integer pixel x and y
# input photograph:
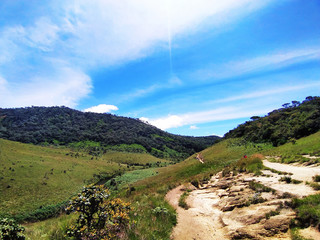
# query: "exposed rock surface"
{"type": "Point", "coordinates": [227, 208]}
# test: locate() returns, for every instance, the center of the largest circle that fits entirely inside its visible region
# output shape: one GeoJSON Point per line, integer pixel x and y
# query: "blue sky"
{"type": "Point", "coordinates": [190, 67]}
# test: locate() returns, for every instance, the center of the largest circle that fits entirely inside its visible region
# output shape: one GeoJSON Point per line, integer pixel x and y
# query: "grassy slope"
{"type": "Point", "coordinates": [149, 193]}
{"type": "Point", "coordinates": [307, 145]}
{"type": "Point", "coordinates": [44, 176]}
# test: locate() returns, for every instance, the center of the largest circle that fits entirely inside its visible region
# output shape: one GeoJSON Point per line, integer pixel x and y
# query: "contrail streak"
{"type": "Point", "coordinates": [168, 3]}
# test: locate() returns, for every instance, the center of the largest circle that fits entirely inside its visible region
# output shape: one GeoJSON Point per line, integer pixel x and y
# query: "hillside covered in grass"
{"type": "Point", "coordinates": [291, 122]}
{"type": "Point", "coordinates": [96, 132]}
{"type": "Point", "coordinates": [154, 217]}
{"type": "Point", "coordinates": [36, 181]}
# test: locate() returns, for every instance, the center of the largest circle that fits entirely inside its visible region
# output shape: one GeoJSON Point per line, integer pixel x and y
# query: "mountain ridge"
{"type": "Point", "coordinates": [63, 125]}
{"type": "Point", "coordinates": [295, 120]}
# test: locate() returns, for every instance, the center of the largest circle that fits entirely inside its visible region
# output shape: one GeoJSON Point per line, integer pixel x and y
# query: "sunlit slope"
{"type": "Point", "coordinates": [215, 158]}
{"type": "Point", "coordinates": [231, 150]}
{"type": "Point", "coordinates": [33, 176]}
{"type": "Point", "coordinates": [294, 151]}
{"type": "Point", "coordinates": [150, 192]}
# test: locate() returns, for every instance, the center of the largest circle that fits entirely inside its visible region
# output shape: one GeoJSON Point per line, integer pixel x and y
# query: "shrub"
{"type": "Point", "coordinates": [182, 201]}
{"type": "Point", "coordinates": [315, 186]}
{"type": "Point", "coordinates": [9, 230]}
{"type": "Point", "coordinates": [258, 187]}
{"type": "Point", "coordinates": [99, 216]}
{"type": "Point", "coordinates": [307, 210]}
{"type": "Point", "coordinates": [316, 178]}
{"type": "Point", "coordinates": [285, 179]}
{"type": "Point", "coordinates": [256, 198]}
{"type": "Point", "coordinates": [272, 213]}
{"type": "Point", "coordinates": [252, 164]}
{"type": "Point", "coordinates": [159, 211]}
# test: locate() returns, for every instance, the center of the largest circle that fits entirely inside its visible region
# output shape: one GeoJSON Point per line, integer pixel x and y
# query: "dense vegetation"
{"type": "Point", "coordinates": [289, 123]}
{"type": "Point", "coordinates": [97, 132]}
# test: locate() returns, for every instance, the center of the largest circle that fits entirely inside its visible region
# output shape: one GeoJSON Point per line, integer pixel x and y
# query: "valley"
{"type": "Point", "coordinates": [237, 187]}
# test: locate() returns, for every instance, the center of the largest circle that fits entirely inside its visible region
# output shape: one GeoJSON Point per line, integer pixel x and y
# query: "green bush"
{"type": "Point", "coordinates": [182, 201]}
{"type": "Point", "coordinates": [9, 230]}
{"type": "Point", "coordinates": [316, 178]}
{"type": "Point", "coordinates": [99, 216]}
{"type": "Point", "coordinates": [252, 164]}
{"type": "Point", "coordinates": [258, 187]}
{"type": "Point", "coordinates": [308, 210]}
{"type": "Point", "coordinates": [315, 186]}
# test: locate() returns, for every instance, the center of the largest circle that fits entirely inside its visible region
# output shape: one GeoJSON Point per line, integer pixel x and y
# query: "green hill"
{"type": "Point", "coordinates": [35, 180]}
{"type": "Point", "coordinates": [96, 132]}
{"type": "Point", "coordinates": [291, 122]}
{"type": "Point", "coordinates": [35, 188]}
{"type": "Point", "coordinates": [148, 195]}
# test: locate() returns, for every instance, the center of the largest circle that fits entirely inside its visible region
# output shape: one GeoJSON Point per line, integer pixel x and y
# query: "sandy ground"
{"type": "Point", "coordinates": [302, 173]}
{"type": "Point", "coordinates": [204, 220]}
{"type": "Point", "coordinates": [195, 223]}
{"type": "Point", "coordinates": [310, 233]}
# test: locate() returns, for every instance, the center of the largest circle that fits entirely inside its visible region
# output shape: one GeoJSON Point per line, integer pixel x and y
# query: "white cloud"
{"type": "Point", "coordinates": [138, 93]}
{"type": "Point", "coordinates": [117, 31]}
{"type": "Point", "coordinates": [219, 114]}
{"type": "Point", "coordinates": [193, 127]}
{"type": "Point", "coordinates": [90, 34]}
{"type": "Point", "coordinates": [102, 108]}
{"type": "Point", "coordinates": [171, 121]}
{"type": "Point", "coordinates": [268, 62]}
{"type": "Point", "coordinates": [66, 86]}
{"type": "Point", "coordinates": [42, 35]}
{"type": "Point", "coordinates": [268, 92]}
{"type": "Point", "coordinates": [144, 119]}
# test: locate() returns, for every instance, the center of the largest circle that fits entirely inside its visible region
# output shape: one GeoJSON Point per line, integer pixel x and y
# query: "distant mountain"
{"type": "Point", "coordinates": [65, 126]}
{"type": "Point", "coordinates": [293, 121]}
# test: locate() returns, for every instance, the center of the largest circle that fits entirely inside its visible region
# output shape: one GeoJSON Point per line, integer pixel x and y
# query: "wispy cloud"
{"type": "Point", "coordinates": [102, 108]}
{"type": "Point", "coordinates": [255, 64]}
{"type": "Point", "coordinates": [218, 114]}
{"type": "Point", "coordinates": [274, 91]}
{"type": "Point", "coordinates": [88, 35]}
{"type": "Point", "coordinates": [143, 92]}
{"type": "Point", "coordinates": [117, 31]}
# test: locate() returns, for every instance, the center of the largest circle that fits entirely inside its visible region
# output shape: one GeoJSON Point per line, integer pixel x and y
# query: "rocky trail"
{"type": "Point", "coordinates": [240, 207]}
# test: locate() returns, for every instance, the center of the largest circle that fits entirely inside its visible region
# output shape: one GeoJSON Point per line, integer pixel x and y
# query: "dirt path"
{"type": "Point", "coordinates": [302, 173]}
{"type": "Point", "coordinates": [219, 209]}
{"type": "Point", "coordinates": [196, 223]}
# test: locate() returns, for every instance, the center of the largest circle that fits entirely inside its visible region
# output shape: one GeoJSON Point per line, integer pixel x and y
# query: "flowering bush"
{"type": "Point", "coordinates": [99, 216]}
{"type": "Point", "coordinates": [9, 230]}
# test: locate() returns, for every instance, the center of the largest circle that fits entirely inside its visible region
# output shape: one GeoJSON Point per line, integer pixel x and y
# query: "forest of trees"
{"type": "Point", "coordinates": [293, 121]}
{"type": "Point", "coordinates": [65, 126]}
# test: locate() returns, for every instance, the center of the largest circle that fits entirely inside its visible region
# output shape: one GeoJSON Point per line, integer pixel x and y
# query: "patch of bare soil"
{"type": "Point", "coordinates": [227, 208]}
{"type": "Point", "coordinates": [310, 233]}
{"type": "Point", "coordinates": [302, 173]}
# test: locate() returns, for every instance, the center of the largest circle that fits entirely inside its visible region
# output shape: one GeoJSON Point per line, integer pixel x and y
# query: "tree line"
{"type": "Point", "coordinates": [63, 126]}
{"type": "Point", "coordinates": [293, 121]}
